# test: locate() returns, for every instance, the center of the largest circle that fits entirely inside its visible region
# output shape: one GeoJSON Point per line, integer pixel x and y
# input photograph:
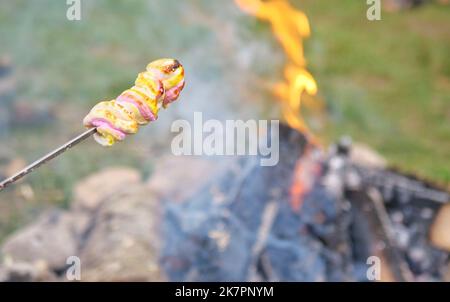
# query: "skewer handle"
{"type": "Point", "coordinates": [30, 168]}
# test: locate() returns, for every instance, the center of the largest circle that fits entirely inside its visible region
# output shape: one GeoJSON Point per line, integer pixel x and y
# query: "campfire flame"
{"type": "Point", "coordinates": [290, 26]}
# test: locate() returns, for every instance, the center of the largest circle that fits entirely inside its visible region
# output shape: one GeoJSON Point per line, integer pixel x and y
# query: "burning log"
{"type": "Point", "coordinates": [400, 209]}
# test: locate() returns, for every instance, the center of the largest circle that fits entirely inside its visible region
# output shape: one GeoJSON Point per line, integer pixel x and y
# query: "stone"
{"type": "Point", "coordinates": [439, 231]}
{"type": "Point", "coordinates": [51, 232]}
{"type": "Point", "coordinates": [168, 182]}
{"type": "Point", "coordinates": [365, 156]}
{"type": "Point", "coordinates": [112, 226]}
{"type": "Point", "coordinates": [89, 193]}
{"type": "Point", "coordinates": [123, 243]}
{"type": "Point", "coordinates": [26, 272]}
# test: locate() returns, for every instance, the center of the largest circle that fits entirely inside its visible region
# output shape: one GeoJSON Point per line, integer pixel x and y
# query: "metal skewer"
{"type": "Point", "coordinates": [49, 156]}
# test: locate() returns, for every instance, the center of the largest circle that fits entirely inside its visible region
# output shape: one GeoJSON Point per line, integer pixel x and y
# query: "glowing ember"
{"type": "Point", "coordinates": [290, 26]}
{"type": "Point", "coordinates": [307, 169]}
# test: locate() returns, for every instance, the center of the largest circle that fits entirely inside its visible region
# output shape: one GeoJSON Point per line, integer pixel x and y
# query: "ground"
{"type": "Point", "coordinates": [385, 83]}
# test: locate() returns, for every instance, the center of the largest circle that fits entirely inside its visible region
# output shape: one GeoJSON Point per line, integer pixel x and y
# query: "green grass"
{"type": "Point", "coordinates": [386, 83]}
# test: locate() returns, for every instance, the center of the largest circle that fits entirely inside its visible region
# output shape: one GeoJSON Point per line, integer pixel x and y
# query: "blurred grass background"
{"type": "Point", "coordinates": [385, 83]}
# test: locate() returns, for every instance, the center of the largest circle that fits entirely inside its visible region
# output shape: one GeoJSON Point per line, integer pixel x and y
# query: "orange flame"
{"type": "Point", "coordinates": [290, 27]}
{"type": "Point", "coordinates": [306, 171]}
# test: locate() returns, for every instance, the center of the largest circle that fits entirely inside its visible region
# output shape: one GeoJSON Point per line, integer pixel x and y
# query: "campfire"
{"type": "Point", "coordinates": [316, 216]}
{"type": "Point", "coordinates": [291, 26]}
